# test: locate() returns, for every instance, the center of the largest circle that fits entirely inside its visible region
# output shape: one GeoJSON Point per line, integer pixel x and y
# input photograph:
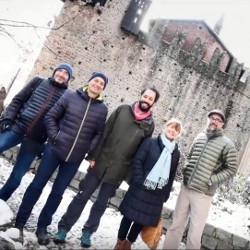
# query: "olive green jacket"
{"type": "Point", "coordinates": [210, 162]}
{"type": "Point", "coordinates": [121, 138]}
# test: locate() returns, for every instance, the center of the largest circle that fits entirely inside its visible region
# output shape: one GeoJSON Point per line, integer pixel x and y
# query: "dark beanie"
{"type": "Point", "coordinates": [100, 74]}
{"type": "Point", "coordinates": [65, 66]}
{"type": "Point", "coordinates": [217, 112]}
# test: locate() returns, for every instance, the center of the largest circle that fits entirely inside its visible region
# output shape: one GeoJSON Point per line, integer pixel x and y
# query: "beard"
{"type": "Point", "coordinates": [143, 108]}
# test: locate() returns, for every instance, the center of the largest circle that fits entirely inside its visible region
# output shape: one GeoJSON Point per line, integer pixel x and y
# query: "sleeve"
{"type": "Point", "coordinates": [94, 153]}
{"type": "Point", "coordinates": [53, 117]}
{"type": "Point", "coordinates": [138, 162]}
{"type": "Point", "coordinates": [19, 100]}
{"type": "Point", "coordinates": [229, 166]}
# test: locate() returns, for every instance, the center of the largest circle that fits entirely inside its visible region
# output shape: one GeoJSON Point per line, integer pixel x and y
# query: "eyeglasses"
{"type": "Point", "coordinates": [216, 120]}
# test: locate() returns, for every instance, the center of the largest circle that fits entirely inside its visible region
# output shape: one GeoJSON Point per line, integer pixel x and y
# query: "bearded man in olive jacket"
{"type": "Point", "coordinates": [110, 163]}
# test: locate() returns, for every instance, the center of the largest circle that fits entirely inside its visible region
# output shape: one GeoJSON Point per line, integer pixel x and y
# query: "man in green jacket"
{"type": "Point", "coordinates": [211, 161]}
{"type": "Point", "coordinates": [110, 163]}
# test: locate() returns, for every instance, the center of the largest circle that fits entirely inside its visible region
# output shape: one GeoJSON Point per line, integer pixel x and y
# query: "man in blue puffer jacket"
{"type": "Point", "coordinates": [23, 122]}
{"type": "Point", "coordinates": [74, 125]}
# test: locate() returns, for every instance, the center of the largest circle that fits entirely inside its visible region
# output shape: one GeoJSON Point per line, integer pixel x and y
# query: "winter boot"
{"type": "Point", "coordinates": [127, 245]}
{"type": "Point", "coordinates": [42, 236]}
{"type": "Point", "coordinates": [85, 239]}
{"type": "Point", "coordinates": [60, 236]}
{"type": "Point", "coordinates": [119, 244]}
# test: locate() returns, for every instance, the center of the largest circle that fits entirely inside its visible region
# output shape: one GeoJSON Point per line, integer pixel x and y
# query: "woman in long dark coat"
{"type": "Point", "coordinates": [154, 169]}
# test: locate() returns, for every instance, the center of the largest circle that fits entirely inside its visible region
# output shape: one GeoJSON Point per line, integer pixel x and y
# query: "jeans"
{"type": "Point", "coordinates": [24, 159]}
{"type": "Point", "coordinates": [75, 208]}
{"type": "Point", "coordinates": [49, 163]}
{"type": "Point", "coordinates": [128, 231]}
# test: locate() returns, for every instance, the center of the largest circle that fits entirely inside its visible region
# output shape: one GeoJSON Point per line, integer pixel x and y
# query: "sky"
{"type": "Point", "coordinates": [231, 217]}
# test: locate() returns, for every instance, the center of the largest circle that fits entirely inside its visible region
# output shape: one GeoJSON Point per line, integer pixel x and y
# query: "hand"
{"type": "Point", "coordinates": [5, 125]}
{"type": "Point", "coordinates": [91, 163]}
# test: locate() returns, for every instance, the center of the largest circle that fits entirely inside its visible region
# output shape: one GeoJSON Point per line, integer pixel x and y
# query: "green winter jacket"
{"type": "Point", "coordinates": [122, 136]}
{"type": "Point", "coordinates": [210, 162]}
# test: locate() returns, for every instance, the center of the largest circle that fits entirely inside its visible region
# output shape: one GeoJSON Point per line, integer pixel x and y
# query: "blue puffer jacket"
{"type": "Point", "coordinates": [75, 125]}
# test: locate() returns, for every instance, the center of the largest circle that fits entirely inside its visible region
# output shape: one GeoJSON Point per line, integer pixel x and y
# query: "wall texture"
{"type": "Point", "coordinates": [91, 39]}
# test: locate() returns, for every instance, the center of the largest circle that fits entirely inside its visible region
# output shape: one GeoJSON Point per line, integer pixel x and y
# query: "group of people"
{"type": "Point", "coordinates": [66, 126]}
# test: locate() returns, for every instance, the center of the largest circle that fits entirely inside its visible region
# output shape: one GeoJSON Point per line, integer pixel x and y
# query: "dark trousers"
{"type": "Point", "coordinates": [87, 187]}
{"type": "Point", "coordinates": [126, 231]}
{"type": "Point", "coordinates": [24, 159]}
{"type": "Point", "coordinates": [48, 165]}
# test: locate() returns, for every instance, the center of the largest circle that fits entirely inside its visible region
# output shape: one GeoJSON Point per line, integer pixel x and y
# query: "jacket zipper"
{"type": "Point", "coordinates": [40, 112]}
{"type": "Point", "coordinates": [79, 130]}
{"type": "Point", "coordinates": [191, 178]}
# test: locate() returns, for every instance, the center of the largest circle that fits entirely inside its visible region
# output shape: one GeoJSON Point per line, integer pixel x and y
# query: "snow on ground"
{"type": "Point", "coordinates": [104, 238]}
{"type": "Point", "coordinates": [230, 217]}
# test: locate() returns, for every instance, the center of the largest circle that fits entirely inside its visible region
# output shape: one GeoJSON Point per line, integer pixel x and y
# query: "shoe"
{"type": "Point", "coordinates": [21, 237]}
{"type": "Point", "coordinates": [119, 244]}
{"type": "Point", "coordinates": [85, 239]}
{"type": "Point", "coordinates": [60, 236]}
{"type": "Point", "coordinates": [127, 245]}
{"type": "Point", "coordinates": [42, 237]}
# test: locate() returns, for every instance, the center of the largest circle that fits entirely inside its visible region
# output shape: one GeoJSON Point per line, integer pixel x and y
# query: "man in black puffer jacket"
{"type": "Point", "coordinates": [75, 125]}
{"type": "Point", "coordinates": [23, 122]}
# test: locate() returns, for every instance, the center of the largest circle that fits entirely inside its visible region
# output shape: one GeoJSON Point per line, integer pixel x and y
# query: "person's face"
{"type": "Point", "coordinates": [215, 122]}
{"type": "Point", "coordinates": [61, 76]}
{"type": "Point", "coordinates": [171, 132]}
{"type": "Point", "coordinates": [96, 86]}
{"type": "Point", "coordinates": [147, 100]}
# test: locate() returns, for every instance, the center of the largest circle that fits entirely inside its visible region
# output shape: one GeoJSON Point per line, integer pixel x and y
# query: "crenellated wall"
{"type": "Point", "coordinates": [91, 39]}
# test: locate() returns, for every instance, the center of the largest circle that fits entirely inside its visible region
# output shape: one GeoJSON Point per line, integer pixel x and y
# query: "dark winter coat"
{"type": "Point", "coordinates": [75, 125]}
{"type": "Point", "coordinates": [28, 108]}
{"type": "Point", "coordinates": [141, 205]}
{"type": "Point", "coordinates": [121, 139]}
{"type": "Point", "coordinates": [210, 160]}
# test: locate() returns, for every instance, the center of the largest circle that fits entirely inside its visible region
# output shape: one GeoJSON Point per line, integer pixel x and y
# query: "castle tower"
{"type": "Point", "coordinates": [219, 25]}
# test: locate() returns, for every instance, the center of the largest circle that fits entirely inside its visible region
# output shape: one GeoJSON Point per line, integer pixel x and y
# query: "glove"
{"type": "Point", "coordinates": [5, 125]}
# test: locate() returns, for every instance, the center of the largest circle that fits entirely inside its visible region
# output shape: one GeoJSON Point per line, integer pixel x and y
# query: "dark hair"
{"type": "Point", "coordinates": [157, 94]}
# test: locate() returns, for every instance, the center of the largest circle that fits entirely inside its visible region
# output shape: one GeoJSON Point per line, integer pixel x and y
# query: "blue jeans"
{"type": "Point", "coordinates": [24, 159]}
{"type": "Point", "coordinates": [75, 208]}
{"type": "Point", "coordinates": [48, 165]}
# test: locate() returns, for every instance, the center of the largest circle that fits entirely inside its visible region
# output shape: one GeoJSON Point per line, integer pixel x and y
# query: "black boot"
{"type": "Point", "coordinates": [42, 236]}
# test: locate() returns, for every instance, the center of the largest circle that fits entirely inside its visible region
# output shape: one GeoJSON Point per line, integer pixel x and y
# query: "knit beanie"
{"type": "Point", "coordinates": [100, 74]}
{"type": "Point", "coordinates": [67, 67]}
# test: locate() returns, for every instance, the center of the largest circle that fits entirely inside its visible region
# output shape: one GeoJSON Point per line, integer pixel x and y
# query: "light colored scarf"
{"type": "Point", "coordinates": [159, 174]}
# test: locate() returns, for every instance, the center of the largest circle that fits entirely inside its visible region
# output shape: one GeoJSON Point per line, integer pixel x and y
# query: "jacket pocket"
{"type": "Point", "coordinates": [54, 141]}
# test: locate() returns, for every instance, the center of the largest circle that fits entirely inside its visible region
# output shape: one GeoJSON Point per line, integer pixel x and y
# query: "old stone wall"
{"type": "Point", "coordinates": [91, 39]}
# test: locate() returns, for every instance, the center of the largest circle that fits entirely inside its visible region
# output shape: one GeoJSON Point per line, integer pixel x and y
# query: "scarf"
{"type": "Point", "coordinates": [159, 174]}
{"type": "Point", "coordinates": [137, 114]}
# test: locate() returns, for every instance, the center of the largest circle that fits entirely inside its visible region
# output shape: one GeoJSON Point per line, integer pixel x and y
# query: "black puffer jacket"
{"type": "Point", "coordinates": [140, 204]}
{"type": "Point", "coordinates": [28, 108]}
{"type": "Point", "coordinates": [122, 136]}
{"type": "Point", "coordinates": [75, 125]}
